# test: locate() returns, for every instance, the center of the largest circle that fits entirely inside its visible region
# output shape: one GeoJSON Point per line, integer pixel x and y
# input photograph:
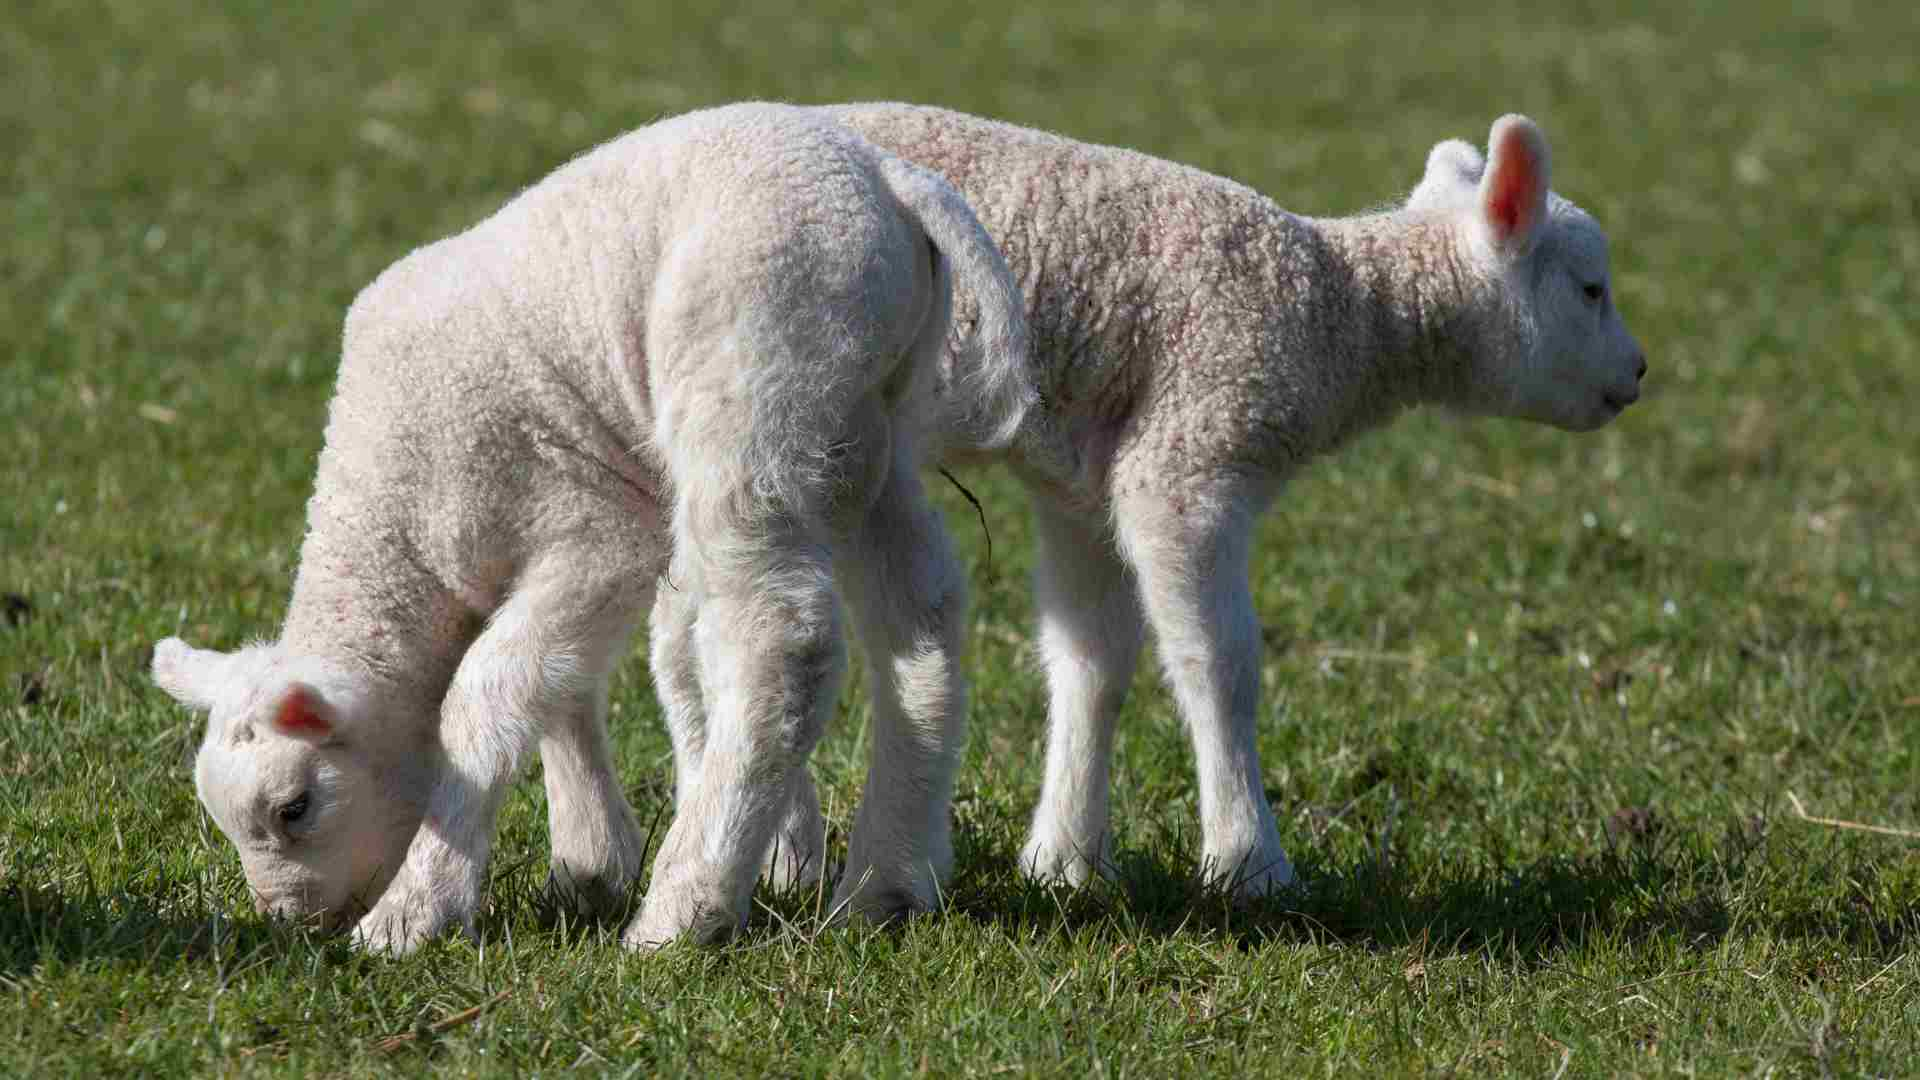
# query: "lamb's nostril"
{"type": "Point", "coordinates": [1641, 371]}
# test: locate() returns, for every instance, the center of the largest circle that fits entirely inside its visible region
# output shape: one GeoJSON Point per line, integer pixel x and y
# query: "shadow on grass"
{"type": "Point", "coordinates": [1654, 882]}
{"type": "Point", "coordinates": [45, 926]}
{"type": "Point", "coordinates": [1630, 894]}
{"type": "Point", "coordinates": [179, 926]}
{"type": "Point", "coordinates": [1649, 888]}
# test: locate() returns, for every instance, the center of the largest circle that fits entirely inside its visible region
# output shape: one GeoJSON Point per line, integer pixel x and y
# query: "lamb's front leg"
{"type": "Point", "coordinates": [546, 652]}
{"type": "Point", "coordinates": [1090, 635]}
{"type": "Point", "coordinates": [1189, 552]}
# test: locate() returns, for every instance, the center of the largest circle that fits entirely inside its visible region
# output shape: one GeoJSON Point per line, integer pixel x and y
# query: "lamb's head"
{"type": "Point", "coordinates": [297, 775]}
{"type": "Point", "coordinates": [1553, 347]}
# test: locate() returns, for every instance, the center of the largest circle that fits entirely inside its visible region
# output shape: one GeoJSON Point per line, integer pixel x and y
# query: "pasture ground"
{"type": "Point", "coordinates": [1533, 703]}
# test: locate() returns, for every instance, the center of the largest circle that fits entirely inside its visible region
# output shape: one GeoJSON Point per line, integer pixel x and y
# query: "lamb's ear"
{"type": "Point", "coordinates": [193, 676]}
{"type": "Point", "coordinates": [301, 713]}
{"type": "Point", "coordinates": [1452, 176]}
{"type": "Point", "coordinates": [1455, 159]}
{"type": "Point", "coordinates": [1513, 192]}
{"type": "Point", "coordinates": [1459, 157]}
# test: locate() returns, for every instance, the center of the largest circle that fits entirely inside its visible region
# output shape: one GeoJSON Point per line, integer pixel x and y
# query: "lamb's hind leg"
{"type": "Point", "coordinates": [908, 597]}
{"type": "Point", "coordinates": [1189, 552]}
{"type": "Point", "coordinates": [798, 843]}
{"type": "Point", "coordinates": [598, 848]}
{"type": "Point", "coordinates": [767, 633]}
{"type": "Point", "coordinates": [1090, 633]}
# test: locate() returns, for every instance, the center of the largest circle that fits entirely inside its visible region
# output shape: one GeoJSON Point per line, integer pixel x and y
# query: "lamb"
{"type": "Point", "coordinates": [702, 354]}
{"type": "Point", "coordinates": [1194, 344]}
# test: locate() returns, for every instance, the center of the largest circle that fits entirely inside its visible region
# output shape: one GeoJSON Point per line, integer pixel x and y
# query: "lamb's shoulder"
{"type": "Point", "coordinates": [1231, 375]}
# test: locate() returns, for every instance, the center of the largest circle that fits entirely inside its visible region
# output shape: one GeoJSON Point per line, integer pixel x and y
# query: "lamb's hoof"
{"type": "Point", "coordinates": [591, 895]}
{"type": "Point", "coordinates": [878, 906]}
{"type": "Point", "coordinates": [399, 927]}
{"type": "Point", "coordinates": [1249, 877]}
{"type": "Point", "coordinates": [1065, 863]}
{"type": "Point", "coordinates": [674, 916]}
{"type": "Point", "coordinates": [799, 847]}
{"type": "Point", "coordinates": [789, 868]}
{"type": "Point", "coordinates": [866, 895]}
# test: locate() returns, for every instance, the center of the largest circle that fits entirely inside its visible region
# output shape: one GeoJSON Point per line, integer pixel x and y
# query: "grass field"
{"type": "Point", "coordinates": [1534, 703]}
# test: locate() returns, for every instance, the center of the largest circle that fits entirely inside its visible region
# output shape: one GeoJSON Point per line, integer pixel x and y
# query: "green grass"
{"type": "Point", "coordinates": [1533, 702]}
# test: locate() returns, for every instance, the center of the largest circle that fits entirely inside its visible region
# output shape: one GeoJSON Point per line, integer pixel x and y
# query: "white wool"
{"type": "Point", "coordinates": [721, 338]}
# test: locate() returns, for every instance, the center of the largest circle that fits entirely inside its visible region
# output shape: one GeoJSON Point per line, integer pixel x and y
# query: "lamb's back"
{"type": "Point", "coordinates": [496, 381]}
{"type": "Point", "coordinates": [1158, 294]}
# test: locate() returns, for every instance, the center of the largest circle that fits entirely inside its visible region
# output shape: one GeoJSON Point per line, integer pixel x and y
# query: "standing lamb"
{"type": "Point", "coordinates": [713, 341]}
{"type": "Point", "coordinates": [1194, 344]}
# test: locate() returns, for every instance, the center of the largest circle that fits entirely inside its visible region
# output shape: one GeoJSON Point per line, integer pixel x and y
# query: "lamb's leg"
{"type": "Point", "coordinates": [546, 653]}
{"type": "Point", "coordinates": [767, 634]}
{"type": "Point", "coordinates": [597, 845]}
{"type": "Point", "coordinates": [1188, 551]}
{"type": "Point", "coordinates": [676, 678]}
{"type": "Point", "coordinates": [796, 857]}
{"type": "Point", "coordinates": [1090, 634]}
{"type": "Point", "coordinates": [907, 593]}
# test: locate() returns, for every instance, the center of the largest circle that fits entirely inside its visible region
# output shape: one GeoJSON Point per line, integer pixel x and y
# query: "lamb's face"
{"type": "Point", "coordinates": [1561, 354]}
{"type": "Point", "coordinates": [1585, 367]}
{"type": "Point", "coordinates": [319, 820]}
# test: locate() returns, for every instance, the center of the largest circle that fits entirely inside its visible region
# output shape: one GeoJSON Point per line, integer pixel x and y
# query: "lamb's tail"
{"type": "Point", "coordinates": [990, 384]}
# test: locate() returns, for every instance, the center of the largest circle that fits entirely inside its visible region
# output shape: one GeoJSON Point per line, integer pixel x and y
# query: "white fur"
{"type": "Point", "coordinates": [716, 337]}
{"type": "Point", "coordinates": [1194, 344]}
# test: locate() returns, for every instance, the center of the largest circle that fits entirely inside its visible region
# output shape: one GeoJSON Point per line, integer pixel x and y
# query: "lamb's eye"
{"type": "Point", "coordinates": [1596, 292]}
{"type": "Point", "coordinates": [293, 811]}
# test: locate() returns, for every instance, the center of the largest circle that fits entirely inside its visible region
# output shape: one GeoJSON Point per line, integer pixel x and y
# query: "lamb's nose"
{"type": "Point", "coordinates": [1641, 371]}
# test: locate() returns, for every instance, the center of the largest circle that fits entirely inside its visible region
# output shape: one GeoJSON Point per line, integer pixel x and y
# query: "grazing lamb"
{"type": "Point", "coordinates": [1194, 344]}
{"type": "Point", "coordinates": [711, 341]}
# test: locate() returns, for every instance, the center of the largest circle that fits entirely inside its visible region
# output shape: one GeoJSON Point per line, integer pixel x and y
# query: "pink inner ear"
{"type": "Point", "coordinates": [300, 714]}
{"type": "Point", "coordinates": [1514, 187]}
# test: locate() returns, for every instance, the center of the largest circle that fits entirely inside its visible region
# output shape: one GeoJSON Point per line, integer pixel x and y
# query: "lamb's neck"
{"type": "Point", "coordinates": [364, 595]}
{"type": "Point", "coordinates": [1404, 308]}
